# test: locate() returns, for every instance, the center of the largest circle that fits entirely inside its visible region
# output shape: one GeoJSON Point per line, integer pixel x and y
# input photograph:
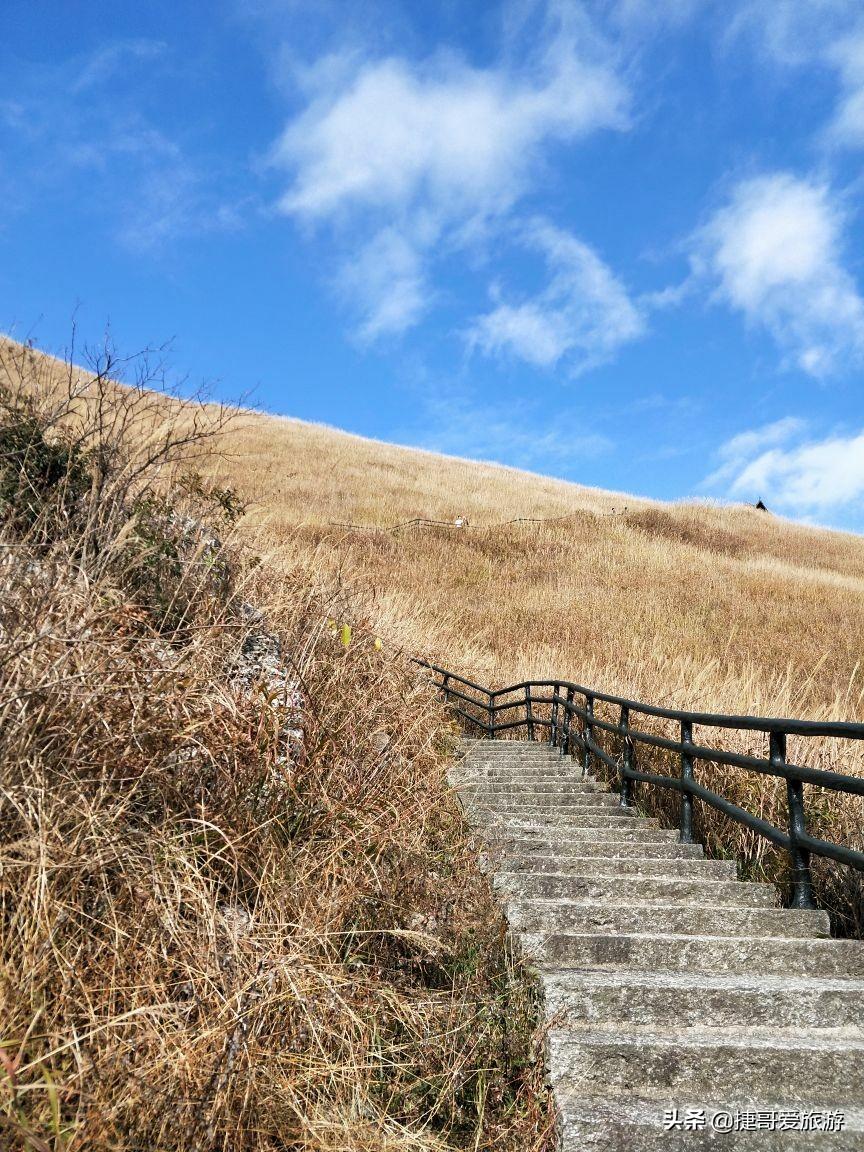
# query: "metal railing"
{"type": "Point", "coordinates": [567, 714]}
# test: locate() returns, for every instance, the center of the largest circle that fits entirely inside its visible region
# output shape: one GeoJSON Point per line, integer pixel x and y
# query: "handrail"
{"type": "Point", "coordinates": [572, 726]}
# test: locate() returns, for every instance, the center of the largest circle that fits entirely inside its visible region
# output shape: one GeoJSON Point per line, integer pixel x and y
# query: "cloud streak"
{"type": "Point", "coordinates": [461, 426]}
{"type": "Point", "coordinates": [775, 253]}
{"type": "Point", "coordinates": [140, 180]}
{"type": "Point", "coordinates": [794, 34]}
{"type": "Point", "coordinates": [583, 316]}
{"type": "Point", "coordinates": [407, 159]}
{"type": "Point", "coordinates": [804, 476]}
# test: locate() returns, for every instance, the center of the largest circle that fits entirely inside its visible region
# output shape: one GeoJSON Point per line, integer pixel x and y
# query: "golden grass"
{"type": "Point", "coordinates": [407, 1045]}
{"type": "Point", "coordinates": [215, 933]}
{"type": "Point", "coordinates": [712, 607]}
{"type": "Point", "coordinates": [694, 606]}
{"type": "Point", "coordinates": [704, 607]}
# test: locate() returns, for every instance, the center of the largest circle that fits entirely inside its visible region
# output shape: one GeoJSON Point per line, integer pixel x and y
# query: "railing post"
{"type": "Point", "coordinates": [446, 690]}
{"type": "Point", "coordinates": [627, 758]}
{"type": "Point", "coordinates": [553, 732]}
{"type": "Point", "coordinates": [571, 692]}
{"type": "Point", "coordinates": [529, 715]}
{"type": "Point", "coordinates": [490, 712]}
{"type": "Point", "coordinates": [589, 733]}
{"type": "Point", "coordinates": [686, 834]}
{"type": "Point", "coordinates": [802, 881]}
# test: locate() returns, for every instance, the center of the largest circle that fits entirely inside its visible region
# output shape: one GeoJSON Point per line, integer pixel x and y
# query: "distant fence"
{"type": "Point", "coordinates": [565, 713]}
{"type": "Point", "coordinates": [460, 523]}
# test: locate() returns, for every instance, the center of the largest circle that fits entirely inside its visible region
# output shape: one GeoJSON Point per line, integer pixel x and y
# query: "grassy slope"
{"type": "Point", "coordinates": [215, 934]}
{"type": "Point", "coordinates": [712, 608]}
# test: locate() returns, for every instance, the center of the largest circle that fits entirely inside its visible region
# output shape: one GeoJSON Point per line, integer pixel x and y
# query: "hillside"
{"type": "Point", "coordinates": [722, 608]}
{"type": "Point", "coordinates": [239, 906]}
{"type": "Point", "coordinates": [708, 608]}
{"type": "Point", "coordinates": [306, 923]}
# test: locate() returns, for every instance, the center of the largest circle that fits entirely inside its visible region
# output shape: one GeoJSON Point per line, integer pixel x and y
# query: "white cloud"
{"type": "Point", "coordinates": [815, 476]}
{"type": "Point", "coordinates": [847, 126]}
{"type": "Point", "coordinates": [637, 16]}
{"type": "Point", "coordinates": [387, 279]}
{"type": "Point", "coordinates": [812, 477]}
{"type": "Point", "coordinates": [793, 34]}
{"type": "Point", "coordinates": [775, 250]}
{"type": "Point", "coordinates": [584, 314]}
{"type": "Point", "coordinates": [442, 138]}
{"type": "Point", "coordinates": [736, 454]}
{"type": "Point", "coordinates": [428, 154]}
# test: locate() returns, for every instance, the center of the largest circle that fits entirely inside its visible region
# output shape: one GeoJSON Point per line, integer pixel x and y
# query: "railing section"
{"type": "Point", "coordinates": [567, 715]}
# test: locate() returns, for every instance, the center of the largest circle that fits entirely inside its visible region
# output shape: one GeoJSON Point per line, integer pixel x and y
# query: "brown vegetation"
{"type": "Point", "coordinates": [238, 908]}
{"type": "Point", "coordinates": [710, 608]}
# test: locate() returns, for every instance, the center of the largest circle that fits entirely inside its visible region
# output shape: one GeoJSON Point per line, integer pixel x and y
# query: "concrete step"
{"type": "Point", "coordinates": [664, 978]}
{"type": "Point", "coordinates": [576, 802]}
{"type": "Point", "coordinates": [536, 792]}
{"type": "Point", "coordinates": [516, 763]}
{"type": "Point", "coordinates": [769, 955]}
{"type": "Point", "coordinates": [522, 855]}
{"type": "Point", "coordinates": [589, 816]}
{"type": "Point", "coordinates": [554, 785]}
{"type": "Point", "coordinates": [625, 866]}
{"type": "Point", "coordinates": [635, 889]}
{"type": "Point", "coordinates": [565, 917]}
{"type": "Point", "coordinates": [641, 1064]}
{"type": "Point", "coordinates": [626, 1126]}
{"type": "Point", "coordinates": [547, 837]}
{"type": "Point", "coordinates": [542, 756]}
{"type": "Point", "coordinates": [692, 999]}
{"type": "Point", "coordinates": [552, 771]}
{"type": "Point", "coordinates": [501, 744]}
{"type": "Point", "coordinates": [499, 753]}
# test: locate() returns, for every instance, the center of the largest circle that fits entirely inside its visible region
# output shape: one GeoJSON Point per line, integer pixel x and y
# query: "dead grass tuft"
{"type": "Point", "coordinates": [238, 907]}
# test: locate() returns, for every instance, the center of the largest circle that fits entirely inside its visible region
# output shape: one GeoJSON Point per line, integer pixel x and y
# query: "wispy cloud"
{"type": "Point", "coordinates": [846, 128]}
{"type": "Point", "coordinates": [432, 151]}
{"type": "Point", "coordinates": [387, 278]}
{"type": "Point", "coordinates": [103, 64]}
{"type": "Point", "coordinates": [582, 316]}
{"type": "Point", "coordinates": [775, 253]}
{"type": "Point", "coordinates": [828, 34]}
{"type": "Point", "coordinates": [804, 476]}
{"type": "Point", "coordinates": [461, 426]}
{"type": "Point", "coordinates": [81, 121]}
{"type": "Point", "coordinates": [641, 16]}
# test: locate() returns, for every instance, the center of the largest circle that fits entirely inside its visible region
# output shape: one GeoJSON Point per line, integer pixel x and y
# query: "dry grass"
{"type": "Point", "coordinates": [215, 938]}
{"type": "Point", "coordinates": [710, 608]}
{"type": "Point", "coordinates": [238, 907]}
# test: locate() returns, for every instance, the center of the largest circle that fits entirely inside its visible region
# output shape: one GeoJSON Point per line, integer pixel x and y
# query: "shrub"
{"type": "Point", "coordinates": [238, 907]}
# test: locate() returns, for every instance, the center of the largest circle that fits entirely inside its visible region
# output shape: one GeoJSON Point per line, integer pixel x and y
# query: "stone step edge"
{"type": "Point", "coordinates": [696, 1039]}
{"type": "Point", "coordinates": [528, 939]}
{"type": "Point", "coordinates": [587, 978]}
{"type": "Point", "coordinates": [553, 904]}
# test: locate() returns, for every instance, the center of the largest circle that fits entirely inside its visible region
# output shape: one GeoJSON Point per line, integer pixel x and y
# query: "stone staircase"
{"type": "Point", "coordinates": [679, 1000]}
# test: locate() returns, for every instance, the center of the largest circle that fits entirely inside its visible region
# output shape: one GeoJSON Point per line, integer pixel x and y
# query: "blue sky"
{"type": "Point", "coordinates": [616, 241]}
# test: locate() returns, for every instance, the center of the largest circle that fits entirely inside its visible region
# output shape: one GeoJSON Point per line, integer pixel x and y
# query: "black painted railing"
{"type": "Point", "coordinates": [566, 714]}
